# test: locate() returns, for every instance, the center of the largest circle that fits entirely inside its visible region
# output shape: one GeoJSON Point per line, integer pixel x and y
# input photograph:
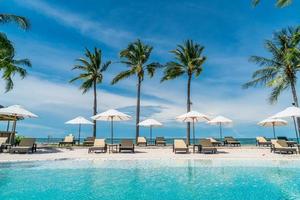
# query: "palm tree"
{"type": "Point", "coordinates": [91, 74]}
{"type": "Point", "coordinates": [279, 71]}
{"type": "Point", "coordinates": [279, 3]}
{"type": "Point", "coordinates": [136, 56]}
{"type": "Point", "coordinates": [188, 61]}
{"type": "Point", "coordinates": [8, 64]}
{"type": "Point", "coordinates": [22, 22]}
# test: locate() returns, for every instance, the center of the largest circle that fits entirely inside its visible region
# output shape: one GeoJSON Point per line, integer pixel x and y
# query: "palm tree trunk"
{"type": "Point", "coordinates": [188, 129]}
{"type": "Point", "coordinates": [295, 98]}
{"type": "Point", "coordinates": [95, 109]}
{"type": "Point", "coordinates": [138, 104]}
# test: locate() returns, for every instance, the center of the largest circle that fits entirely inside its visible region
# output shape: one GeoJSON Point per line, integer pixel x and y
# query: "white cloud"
{"type": "Point", "coordinates": [108, 35]}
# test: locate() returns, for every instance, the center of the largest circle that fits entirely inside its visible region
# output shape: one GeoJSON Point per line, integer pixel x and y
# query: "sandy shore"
{"type": "Point", "coordinates": [146, 153]}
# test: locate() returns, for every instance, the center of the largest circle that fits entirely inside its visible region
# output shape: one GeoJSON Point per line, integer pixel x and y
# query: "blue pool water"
{"type": "Point", "coordinates": [145, 180]}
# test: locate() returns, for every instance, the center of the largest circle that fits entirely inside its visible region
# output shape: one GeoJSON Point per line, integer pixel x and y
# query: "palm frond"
{"type": "Point", "coordinates": [279, 3]}
{"type": "Point", "coordinates": [25, 62]}
{"type": "Point", "coordinates": [6, 47]}
{"type": "Point", "coordinates": [172, 71]}
{"type": "Point", "coordinates": [105, 66]}
{"type": "Point", "coordinates": [276, 91]}
{"type": "Point", "coordinates": [10, 18]}
{"type": "Point", "coordinates": [86, 85]}
{"type": "Point", "coordinates": [123, 75]}
{"type": "Point", "coordinates": [151, 68]}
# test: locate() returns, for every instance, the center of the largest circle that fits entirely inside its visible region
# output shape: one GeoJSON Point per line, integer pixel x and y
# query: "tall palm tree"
{"type": "Point", "coordinates": [279, 3]}
{"type": "Point", "coordinates": [136, 57]}
{"type": "Point", "coordinates": [188, 62]}
{"type": "Point", "coordinates": [279, 72]}
{"type": "Point", "coordinates": [91, 74]}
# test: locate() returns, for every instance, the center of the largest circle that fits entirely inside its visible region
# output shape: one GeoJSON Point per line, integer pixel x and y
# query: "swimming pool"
{"type": "Point", "coordinates": [157, 179]}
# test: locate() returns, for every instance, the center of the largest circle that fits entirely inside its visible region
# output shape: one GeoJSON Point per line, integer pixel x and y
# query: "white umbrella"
{"type": "Point", "coordinates": [111, 115]}
{"type": "Point", "coordinates": [269, 122]}
{"type": "Point", "coordinates": [220, 120]}
{"type": "Point", "coordinates": [293, 112]}
{"type": "Point", "coordinates": [79, 120]}
{"type": "Point", "coordinates": [193, 116]}
{"type": "Point", "coordinates": [16, 111]}
{"type": "Point", "coordinates": [150, 123]}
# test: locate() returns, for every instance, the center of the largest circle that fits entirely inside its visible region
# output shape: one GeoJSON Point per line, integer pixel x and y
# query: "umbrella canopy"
{"type": "Point", "coordinates": [272, 122]}
{"type": "Point", "coordinates": [220, 120]}
{"type": "Point", "coordinates": [17, 111]}
{"type": "Point", "coordinates": [150, 123]}
{"type": "Point", "coordinates": [111, 115]}
{"type": "Point", "coordinates": [14, 113]}
{"type": "Point", "coordinates": [193, 116]}
{"type": "Point", "coordinates": [293, 112]}
{"type": "Point", "coordinates": [79, 120]}
{"type": "Point", "coordinates": [269, 122]}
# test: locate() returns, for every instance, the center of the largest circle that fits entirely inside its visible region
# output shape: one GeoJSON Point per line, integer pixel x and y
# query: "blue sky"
{"type": "Point", "coordinates": [230, 32]}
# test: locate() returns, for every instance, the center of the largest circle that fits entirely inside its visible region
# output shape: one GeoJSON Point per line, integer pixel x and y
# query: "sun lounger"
{"type": "Point", "coordinates": [207, 146]}
{"type": "Point", "coordinates": [69, 140]}
{"type": "Point", "coordinates": [99, 146]}
{"type": "Point", "coordinates": [215, 142]}
{"type": "Point", "coordinates": [180, 146]}
{"type": "Point", "coordinates": [89, 141]}
{"type": "Point", "coordinates": [3, 141]}
{"type": "Point", "coordinates": [281, 146]}
{"type": "Point", "coordinates": [126, 145]}
{"type": "Point", "coordinates": [262, 141]}
{"type": "Point", "coordinates": [160, 141]}
{"type": "Point", "coordinates": [26, 145]}
{"type": "Point", "coordinates": [230, 141]}
{"type": "Point", "coordinates": [141, 141]}
{"type": "Point", "coordinates": [289, 142]}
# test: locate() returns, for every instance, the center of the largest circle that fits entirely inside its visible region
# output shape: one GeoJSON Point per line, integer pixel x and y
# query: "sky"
{"type": "Point", "coordinates": [60, 32]}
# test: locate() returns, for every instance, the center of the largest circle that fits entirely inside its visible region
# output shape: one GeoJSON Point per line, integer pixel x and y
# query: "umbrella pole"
{"type": "Point", "coordinates": [296, 130]}
{"type": "Point", "coordinates": [220, 126]}
{"type": "Point", "coordinates": [112, 131]}
{"type": "Point", "coordinates": [150, 134]}
{"type": "Point", "coordinates": [79, 130]}
{"type": "Point", "coordinates": [274, 131]}
{"type": "Point", "coordinates": [8, 123]}
{"type": "Point", "coordinates": [13, 130]}
{"type": "Point", "coordinates": [194, 132]}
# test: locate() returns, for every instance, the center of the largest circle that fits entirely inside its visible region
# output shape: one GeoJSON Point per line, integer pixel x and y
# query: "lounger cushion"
{"type": "Point", "coordinates": [261, 139]}
{"type": "Point", "coordinates": [142, 140]}
{"type": "Point", "coordinates": [99, 143]}
{"type": "Point", "coordinates": [3, 140]}
{"type": "Point", "coordinates": [179, 144]}
{"type": "Point", "coordinates": [69, 138]}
